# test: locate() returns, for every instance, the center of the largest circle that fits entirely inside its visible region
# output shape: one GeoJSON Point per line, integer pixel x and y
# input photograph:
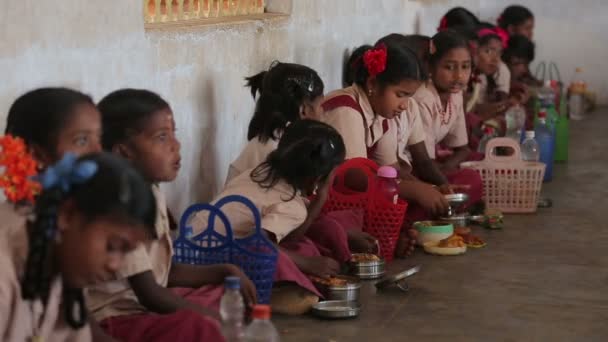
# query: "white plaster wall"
{"type": "Point", "coordinates": [100, 45]}
{"type": "Point", "coordinates": [571, 33]}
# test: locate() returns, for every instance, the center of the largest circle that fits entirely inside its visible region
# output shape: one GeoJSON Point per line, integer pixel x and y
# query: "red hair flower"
{"type": "Point", "coordinates": [443, 24]}
{"type": "Point", "coordinates": [375, 60]}
{"type": "Point", "coordinates": [18, 167]}
{"type": "Point", "coordinates": [497, 31]}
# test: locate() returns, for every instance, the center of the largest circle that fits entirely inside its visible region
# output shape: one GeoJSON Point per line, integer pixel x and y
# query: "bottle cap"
{"type": "Point", "coordinates": [232, 283]}
{"type": "Point", "coordinates": [261, 311]}
{"type": "Point", "coordinates": [530, 135]}
{"type": "Point", "coordinates": [387, 172]}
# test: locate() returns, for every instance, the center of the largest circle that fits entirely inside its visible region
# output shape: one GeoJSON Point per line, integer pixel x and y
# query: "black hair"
{"type": "Point", "coordinates": [417, 43]}
{"type": "Point", "coordinates": [445, 41]}
{"type": "Point", "coordinates": [38, 116]}
{"type": "Point", "coordinates": [520, 47]}
{"type": "Point", "coordinates": [401, 64]}
{"type": "Point", "coordinates": [459, 17]}
{"type": "Point", "coordinates": [348, 69]}
{"type": "Point", "coordinates": [486, 39]}
{"type": "Point", "coordinates": [308, 150]}
{"type": "Point", "coordinates": [514, 15]}
{"type": "Point", "coordinates": [282, 90]}
{"type": "Point", "coordinates": [115, 190]}
{"type": "Point", "coordinates": [124, 113]}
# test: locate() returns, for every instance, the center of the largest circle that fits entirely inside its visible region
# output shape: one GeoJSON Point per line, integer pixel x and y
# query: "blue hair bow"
{"type": "Point", "coordinates": [67, 172]}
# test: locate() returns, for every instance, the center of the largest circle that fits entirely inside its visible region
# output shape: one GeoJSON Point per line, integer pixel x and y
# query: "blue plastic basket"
{"type": "Point", "coordinates": [255, 254]}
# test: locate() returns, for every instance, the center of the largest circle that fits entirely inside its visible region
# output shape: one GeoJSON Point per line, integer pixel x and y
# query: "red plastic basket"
{"type": "Point", "coordinates": [382, 218]}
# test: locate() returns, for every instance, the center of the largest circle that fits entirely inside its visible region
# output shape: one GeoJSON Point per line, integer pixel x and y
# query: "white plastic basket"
{"type": "Point", "coordinates": [509, 184]}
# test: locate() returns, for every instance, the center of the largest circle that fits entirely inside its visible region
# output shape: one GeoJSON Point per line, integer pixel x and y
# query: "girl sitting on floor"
{"type": "Point", "coordinates": [441, 109]}
{"type": "Point", "coordinates": [91, 212]}
{"type": "Point", "coordinates": [377, 120]}
{"type": "Point", "coordinates": [152, 297]}
{"type": "Point", "coordinates": [302, 165]}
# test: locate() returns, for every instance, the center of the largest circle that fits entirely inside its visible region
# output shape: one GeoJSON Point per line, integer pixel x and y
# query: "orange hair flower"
{"type": "Point", "coordinates": [17, 167]}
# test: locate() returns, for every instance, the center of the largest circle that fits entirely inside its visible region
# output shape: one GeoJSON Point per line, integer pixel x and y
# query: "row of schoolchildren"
{"type": "Point", "coordinates": [101, 223]}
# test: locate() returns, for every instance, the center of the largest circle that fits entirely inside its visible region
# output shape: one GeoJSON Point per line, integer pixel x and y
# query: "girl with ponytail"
{"type": "Point", "coordinates": [378, 120]}
{"type": "Point", "coordinates": [285, 93]}
{"type": "Point", "coordinates": [300, 166]}
{"type": "Point", "coordinates": [90, 213]}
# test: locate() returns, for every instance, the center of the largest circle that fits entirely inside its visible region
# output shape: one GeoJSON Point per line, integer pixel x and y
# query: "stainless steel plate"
{"type": "Point", "coordinates": [336, 309]}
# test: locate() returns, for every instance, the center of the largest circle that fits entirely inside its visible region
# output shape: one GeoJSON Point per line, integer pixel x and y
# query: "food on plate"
{"type": "Point", "coordinates": [462, 231]}
{"type": "Point", "coordinates": [331, 281]}
{"type": "Point", "coordinates": [364, 257]}
{"type": "Point", "coordinates": [453, 241]}
{"type": "Point", "coordinates": [473, 241]}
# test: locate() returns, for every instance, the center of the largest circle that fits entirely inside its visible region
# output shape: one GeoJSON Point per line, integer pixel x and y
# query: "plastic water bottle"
{"type": "Point", "coordinates": [261, 329]}
{"type": "Point", "coordinates": [488, 134]}
{"type": "Point", "coordinates": [232, 309]}
{"type": "Point", "coordinates": [544, 136]}
{"type": "Point", "coordinates": [575, 102]}
{"type": "Point", "coordinates": [529, 148]}
{"type": "Point", "coordinates": [387, 183]}
{"type": "Point", "coordinates": [516, 120]}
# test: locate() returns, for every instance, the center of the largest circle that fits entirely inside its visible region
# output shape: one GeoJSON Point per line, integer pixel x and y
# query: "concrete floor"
{"type": "Point", "coordinates": [544, 277]}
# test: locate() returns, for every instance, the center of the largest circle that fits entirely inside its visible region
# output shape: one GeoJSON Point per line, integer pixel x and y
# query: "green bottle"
{"type": "Point", "coordinates": [562, 132]}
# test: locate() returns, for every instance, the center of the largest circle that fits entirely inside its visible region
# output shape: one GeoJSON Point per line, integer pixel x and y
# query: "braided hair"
{"type": "Point", "coordinates": [115, 190]}
{"type": "Point", "coordinates": [282, 90]}
{"type": "Point", "coordinates": [308, 150]}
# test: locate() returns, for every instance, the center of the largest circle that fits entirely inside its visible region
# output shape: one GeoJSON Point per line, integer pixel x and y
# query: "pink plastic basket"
{"type": "Point", "coordinates": [509, 184]}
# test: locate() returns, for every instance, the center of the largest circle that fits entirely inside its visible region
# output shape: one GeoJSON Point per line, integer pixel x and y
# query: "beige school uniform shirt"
{"type": "Point", "coordinates": [448, 129]}
{"type": "Point", "coordinates": [116, 298]}
{"type": "Point", "coordinates": [281, 212]}
{"type": "Point", "coordinates": [404, 130]}
{"type": "Point", "coordinates": [254, 153]}
{"type": "Point", "coordinates": [20, 318]}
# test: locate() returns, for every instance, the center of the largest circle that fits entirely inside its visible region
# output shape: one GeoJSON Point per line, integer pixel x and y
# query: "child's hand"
{"type": "Point", "coordinates": [325, 186]}
{"type": "Point", "coordinates": [320, 266]}
{"type": "Point", "coordinates": [361, 242]}
{"type": "Point", "coordinates": [247, 287]}
{"type": "Point", "coordinates": [431, 199]}
{"type": "Point", "coordinates": [446, 189]}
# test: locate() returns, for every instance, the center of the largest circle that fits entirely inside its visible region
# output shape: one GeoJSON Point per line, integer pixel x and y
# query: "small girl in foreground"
{"type": "Point", "coordinates": [91, 212]}
{"type": "Point", "coordinates": [301, 166]}
{"type": "Point", "coordinates": [153, 298]}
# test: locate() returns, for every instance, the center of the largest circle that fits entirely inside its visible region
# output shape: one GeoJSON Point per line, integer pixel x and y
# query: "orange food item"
{"type": "Point", "coordinates": [473, 241]}
{"type": "Point", "coordinates": [364, 257]}
{"type": "Point", "coordinates": [332, 281]}
{"type": "Point", "coordinates": [453, 241]}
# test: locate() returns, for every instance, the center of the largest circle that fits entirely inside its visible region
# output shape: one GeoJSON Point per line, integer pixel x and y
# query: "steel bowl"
{"type": "Point", "coordinates": [336, 309]}
{"type": "Point", "coordinates": [456, 201]}
{"type": "Point", "coordinates": [463, 220]}
{"type": "Point", "coordinates": [348, 292]}
{"type": "Point", "coordinates": [368, 269]}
